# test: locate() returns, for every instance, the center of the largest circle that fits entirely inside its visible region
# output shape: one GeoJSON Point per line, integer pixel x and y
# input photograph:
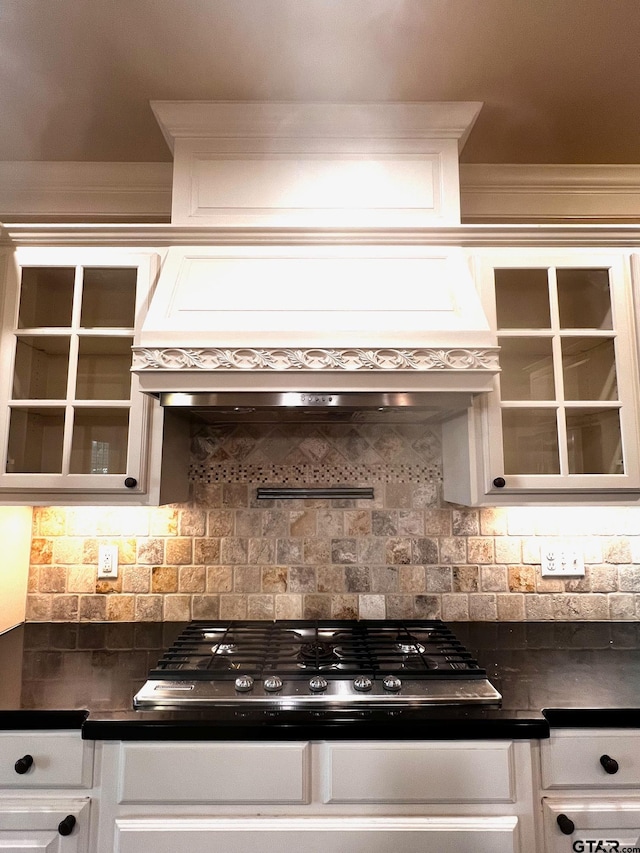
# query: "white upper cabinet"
{"type": "Point", "coordinates": [563, 416]}
{"type": "Point", "coordinates": [75, 420]}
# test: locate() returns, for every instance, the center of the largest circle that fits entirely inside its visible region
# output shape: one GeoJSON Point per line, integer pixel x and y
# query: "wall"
{"type": "Point", "coordinates": [15, 535]}
{"type": "Point", "coordinates": [404, 554]}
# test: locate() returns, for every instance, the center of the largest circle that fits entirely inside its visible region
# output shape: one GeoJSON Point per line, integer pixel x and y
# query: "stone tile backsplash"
{"type": "Point", "coordinates": [404, 554]}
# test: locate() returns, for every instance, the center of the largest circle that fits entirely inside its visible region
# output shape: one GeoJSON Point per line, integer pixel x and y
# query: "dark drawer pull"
{"type": "Point", "coordinates": [610, 764]}
{"type": "Point", "coordinates": [23, 764]}
{"type": "Point", "coordinates": [65, 827]}
{"type": "Point", "coordinates": [499, 482]}
{"type": "Point", "coordinates": [567, 826]}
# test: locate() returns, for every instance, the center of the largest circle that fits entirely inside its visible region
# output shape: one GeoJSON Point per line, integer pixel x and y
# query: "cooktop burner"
{"type": "Point", "coordinates": [325, 663]}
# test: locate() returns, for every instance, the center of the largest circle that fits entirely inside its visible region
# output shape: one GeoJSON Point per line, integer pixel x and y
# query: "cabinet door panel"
{"type": "Point", "coordinates": [319, 835]}
{"type": "Point", "coordinates": [419, 773]}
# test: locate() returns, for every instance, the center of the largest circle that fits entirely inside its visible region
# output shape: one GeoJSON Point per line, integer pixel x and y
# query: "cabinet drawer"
{"type": "Point", "coordinates": [214, 773]}
{"type": "Point", "coordinates": [577, 759]}
{"type": "Point", "coordinates": [590, 825]}
{"type": "Point", "coordinates": [60, 760]}
{"type": "Point", "coordinates": [407, 772]}
{"type": "Point", "coordinates": [30, 824]}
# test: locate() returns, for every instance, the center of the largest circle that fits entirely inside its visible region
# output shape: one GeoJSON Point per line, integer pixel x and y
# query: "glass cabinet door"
{"type": "Point", "coordinates": [565, 404]}
{"type": "Point", "coordinates": [74, 412]}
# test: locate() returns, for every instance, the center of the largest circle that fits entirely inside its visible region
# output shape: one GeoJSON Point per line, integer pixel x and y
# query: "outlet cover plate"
{"type": "Point", "coordinates": [561, 558]}
{"type": "Point", "coordinates": [108, 561]}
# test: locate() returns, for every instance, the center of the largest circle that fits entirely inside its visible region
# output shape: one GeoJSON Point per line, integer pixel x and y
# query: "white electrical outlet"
{"type": "Point", "coordinates": [560, 559]}
{"type": "Point", "coordinates": [107, 561]}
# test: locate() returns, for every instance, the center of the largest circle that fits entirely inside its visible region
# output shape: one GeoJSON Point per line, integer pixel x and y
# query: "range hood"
{"type": "Point", "coordinates": [302, 300]}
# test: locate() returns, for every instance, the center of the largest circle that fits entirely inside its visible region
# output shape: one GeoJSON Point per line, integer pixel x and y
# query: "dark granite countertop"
{"type": "Point", "coordinates": [70, 675]}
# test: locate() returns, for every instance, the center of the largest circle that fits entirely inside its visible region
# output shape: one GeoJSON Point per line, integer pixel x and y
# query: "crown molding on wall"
{"type": "Point", "coordinates": [550, 193]}
{"type": "Point", "coordinates": [106, 192]}
{"type": "Point", "coordinates": [490, 193]}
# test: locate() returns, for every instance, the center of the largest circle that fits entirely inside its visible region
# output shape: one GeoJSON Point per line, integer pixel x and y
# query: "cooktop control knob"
{"type": "Point", "coordinates": [244, 683]}
{"type": "Point", "coordinates": [362, 683]}
{"type": "Point", "coordinates": [392, 683]}
{"type": "Point", "coordinates": [272, 683]}
{"type": "Point", "coordinates": [317, 684]}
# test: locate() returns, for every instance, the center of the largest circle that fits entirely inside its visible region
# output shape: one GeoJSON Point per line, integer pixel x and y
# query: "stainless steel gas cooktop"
{"type": "Point", "coordinates": [325, 664]}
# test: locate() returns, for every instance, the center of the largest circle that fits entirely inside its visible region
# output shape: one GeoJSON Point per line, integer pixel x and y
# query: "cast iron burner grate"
{"type": "Point", "coordinates": [338, 649]}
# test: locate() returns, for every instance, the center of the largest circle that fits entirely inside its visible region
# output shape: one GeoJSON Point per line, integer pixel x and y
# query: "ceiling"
{"type": "Point", "coordinates": [560, 79]}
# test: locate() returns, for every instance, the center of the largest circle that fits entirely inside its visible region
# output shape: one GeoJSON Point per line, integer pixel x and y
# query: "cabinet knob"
{"type": "Point", "coordinates": [567, 826]}
{"type": "Point", "coordinates": [23, 764]}
{"type": "Point", "coordinates": [610, 764]}
{"type": "Point", "coordinates": [131, 482]}
{"type": "Point", "coordinates": [499, 482]}
{"type": "Point", "coordinates": [65, 827]}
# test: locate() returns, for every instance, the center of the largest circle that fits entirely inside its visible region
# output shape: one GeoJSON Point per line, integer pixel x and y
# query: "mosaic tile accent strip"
{"type": "Point", "coordinates": [296, 475]}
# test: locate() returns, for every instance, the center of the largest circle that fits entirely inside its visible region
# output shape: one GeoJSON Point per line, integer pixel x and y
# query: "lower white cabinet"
{"type": "Point", "coordinates": [46, 778]}
{"type": "Point", "coordinates": [591, 790]}
{"type": "Point", "coordinates": [317, 797]}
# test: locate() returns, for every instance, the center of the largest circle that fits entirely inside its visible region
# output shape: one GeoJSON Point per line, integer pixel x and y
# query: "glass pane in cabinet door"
{"type": "Point", "coordinates": [35, 441]}
{"type": "Point", "coordinates": [46, 297]}
{"type": "Point", "coordinates": [104, 369]}
{"type": "Point", "coordinates": [41, 367]}
{"type": "Point", "coordinates": [594, 441]}
{"type": "Point", "coordinates": [522, 299]}
{"type": "Point", "coordinates": [530, 438]}
{"type": "Point", "coordinates": [584, 300]}
{"type": "Point", "coordinates": [527, 369]}
{"type": "Point", "coordinates": [589, 369]}
{"type": "Point", "coordinates": [99, 444]}
{"type": "Point", "coordinates": [108, 297]}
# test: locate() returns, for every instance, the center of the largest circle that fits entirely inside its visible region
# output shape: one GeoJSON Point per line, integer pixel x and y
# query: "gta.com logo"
{"type": "Point", "coordinates": [601, 845]}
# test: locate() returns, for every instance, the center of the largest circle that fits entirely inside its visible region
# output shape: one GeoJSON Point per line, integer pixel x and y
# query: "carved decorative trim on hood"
{"type": "Point", "coordinates": [207, 358]}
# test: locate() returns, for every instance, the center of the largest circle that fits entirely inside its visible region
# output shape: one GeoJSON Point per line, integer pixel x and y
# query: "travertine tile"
{"type": "Point", "coordinates": [41, 550]}
{"type": "Point", "coordinates": [148, 608]}
{"type": "Point", "coordinates": [39, 607]}
{"type": "Point", "coordinates": [246, 579]}
{"type": "Point", "coordinates": [357, 523]}
{"type": "Point", "coordinates": [220, 523]}
{"type": "Point", "coordinates": [135, 579]}
{"type": "Point", "coordinates": [483, 607]}
{"type": "Point", "coordinates": [425, 551]}
{"type": "Point", "coordinates": [316, 606]}
{"type": "Point", "coordinates": [455, 607]}
{"type": "Point", "coordinates": [493, 579]}
{"type": "Point", "coordinates": [192, 522]}
{"type": "Point", "coordinates": [371, 607]}
{"type": "Point", "coordinates": [521, 578]}
{"type": "Point", "coordinates": [164, 579]}
{"type": "Point", "coordinates": [288, 606]}
{"type": "Point", "coordinates": [219, 579]}
{"type": "Point", "coordinates": [260, 606]}
{"type": "Point", "coordinates": [510, 607]}
{"type": "Point", "coordinates": [151, 551]}
{"type": "Point", "coordinates": [316, 551]}
{"type": "Point", "coordinates": [438, 579]}
{"type": "Point", "coordinates": [191, 579]}
{"type": "Point", "coordinates": [233, 550]}
{"type": "Point", "coordinates": [357, 579]}
{"type": "Point", "coordinates": [480, 549]}
{"type": "Point", "coordinates": [400, 606]}
{"type": "Point", "coordinates": [453, 550]}
{"type": "Point", "coordinates": [398, 551]}
{"type": "Point", "coordinates": [52, 579]}
{"type": "Point", "coordinates": [464, 522]}
{"type": "Point", "coordinates": [178, 551]}
{"type": "Point", "coordinates": [466, 578]}
{"type": "Point", "coordinates": [176, 608]}
{"type": "Point", "coordinates": [206, 551]}
{"type": "Point", "coordinates": [412, 578]}
{"type": "Point", "coordinates": [384, 579]}
{"type": "Point", "coordinates": [344, 606]}
{"type": "Point", "coordinates": [302, 579]}
{"type": "Point", "coordinates": [344, 551]}
{"type": "Point", "coordinates": [330, 578]}
{"type": "Point", "coordinates": [275, 579]}
{"type": "Point", "coordinates": [205, 606]}
{"type": "Point", "coordinates": [233, 606]}
{"type": "Point", "coordinates": [428, 607]}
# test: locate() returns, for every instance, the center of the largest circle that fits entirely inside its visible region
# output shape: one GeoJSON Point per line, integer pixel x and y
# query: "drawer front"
{"type": "Point", "coordinates": [33, 825]}
{"type": "Point", "coordinates": [577, 759]}
{"type": "Point", "coordinates": [318, 835]}
{"type": "Point", "coordinates": [591, 825]}
{"type": "Point", "coordinates": [214, 773]}
{"type": "Point", "coordinates": [420, 772]}
{"type": "Point", "coordinates": [60, 760]}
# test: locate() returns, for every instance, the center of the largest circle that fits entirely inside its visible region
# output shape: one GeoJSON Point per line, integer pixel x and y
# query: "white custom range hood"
{"type": "Point", "coordinates": [303, 293]}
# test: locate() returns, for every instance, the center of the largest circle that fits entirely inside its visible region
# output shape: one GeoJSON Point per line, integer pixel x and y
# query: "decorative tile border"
{"type": "Point", "coordinates": [296, 475]}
